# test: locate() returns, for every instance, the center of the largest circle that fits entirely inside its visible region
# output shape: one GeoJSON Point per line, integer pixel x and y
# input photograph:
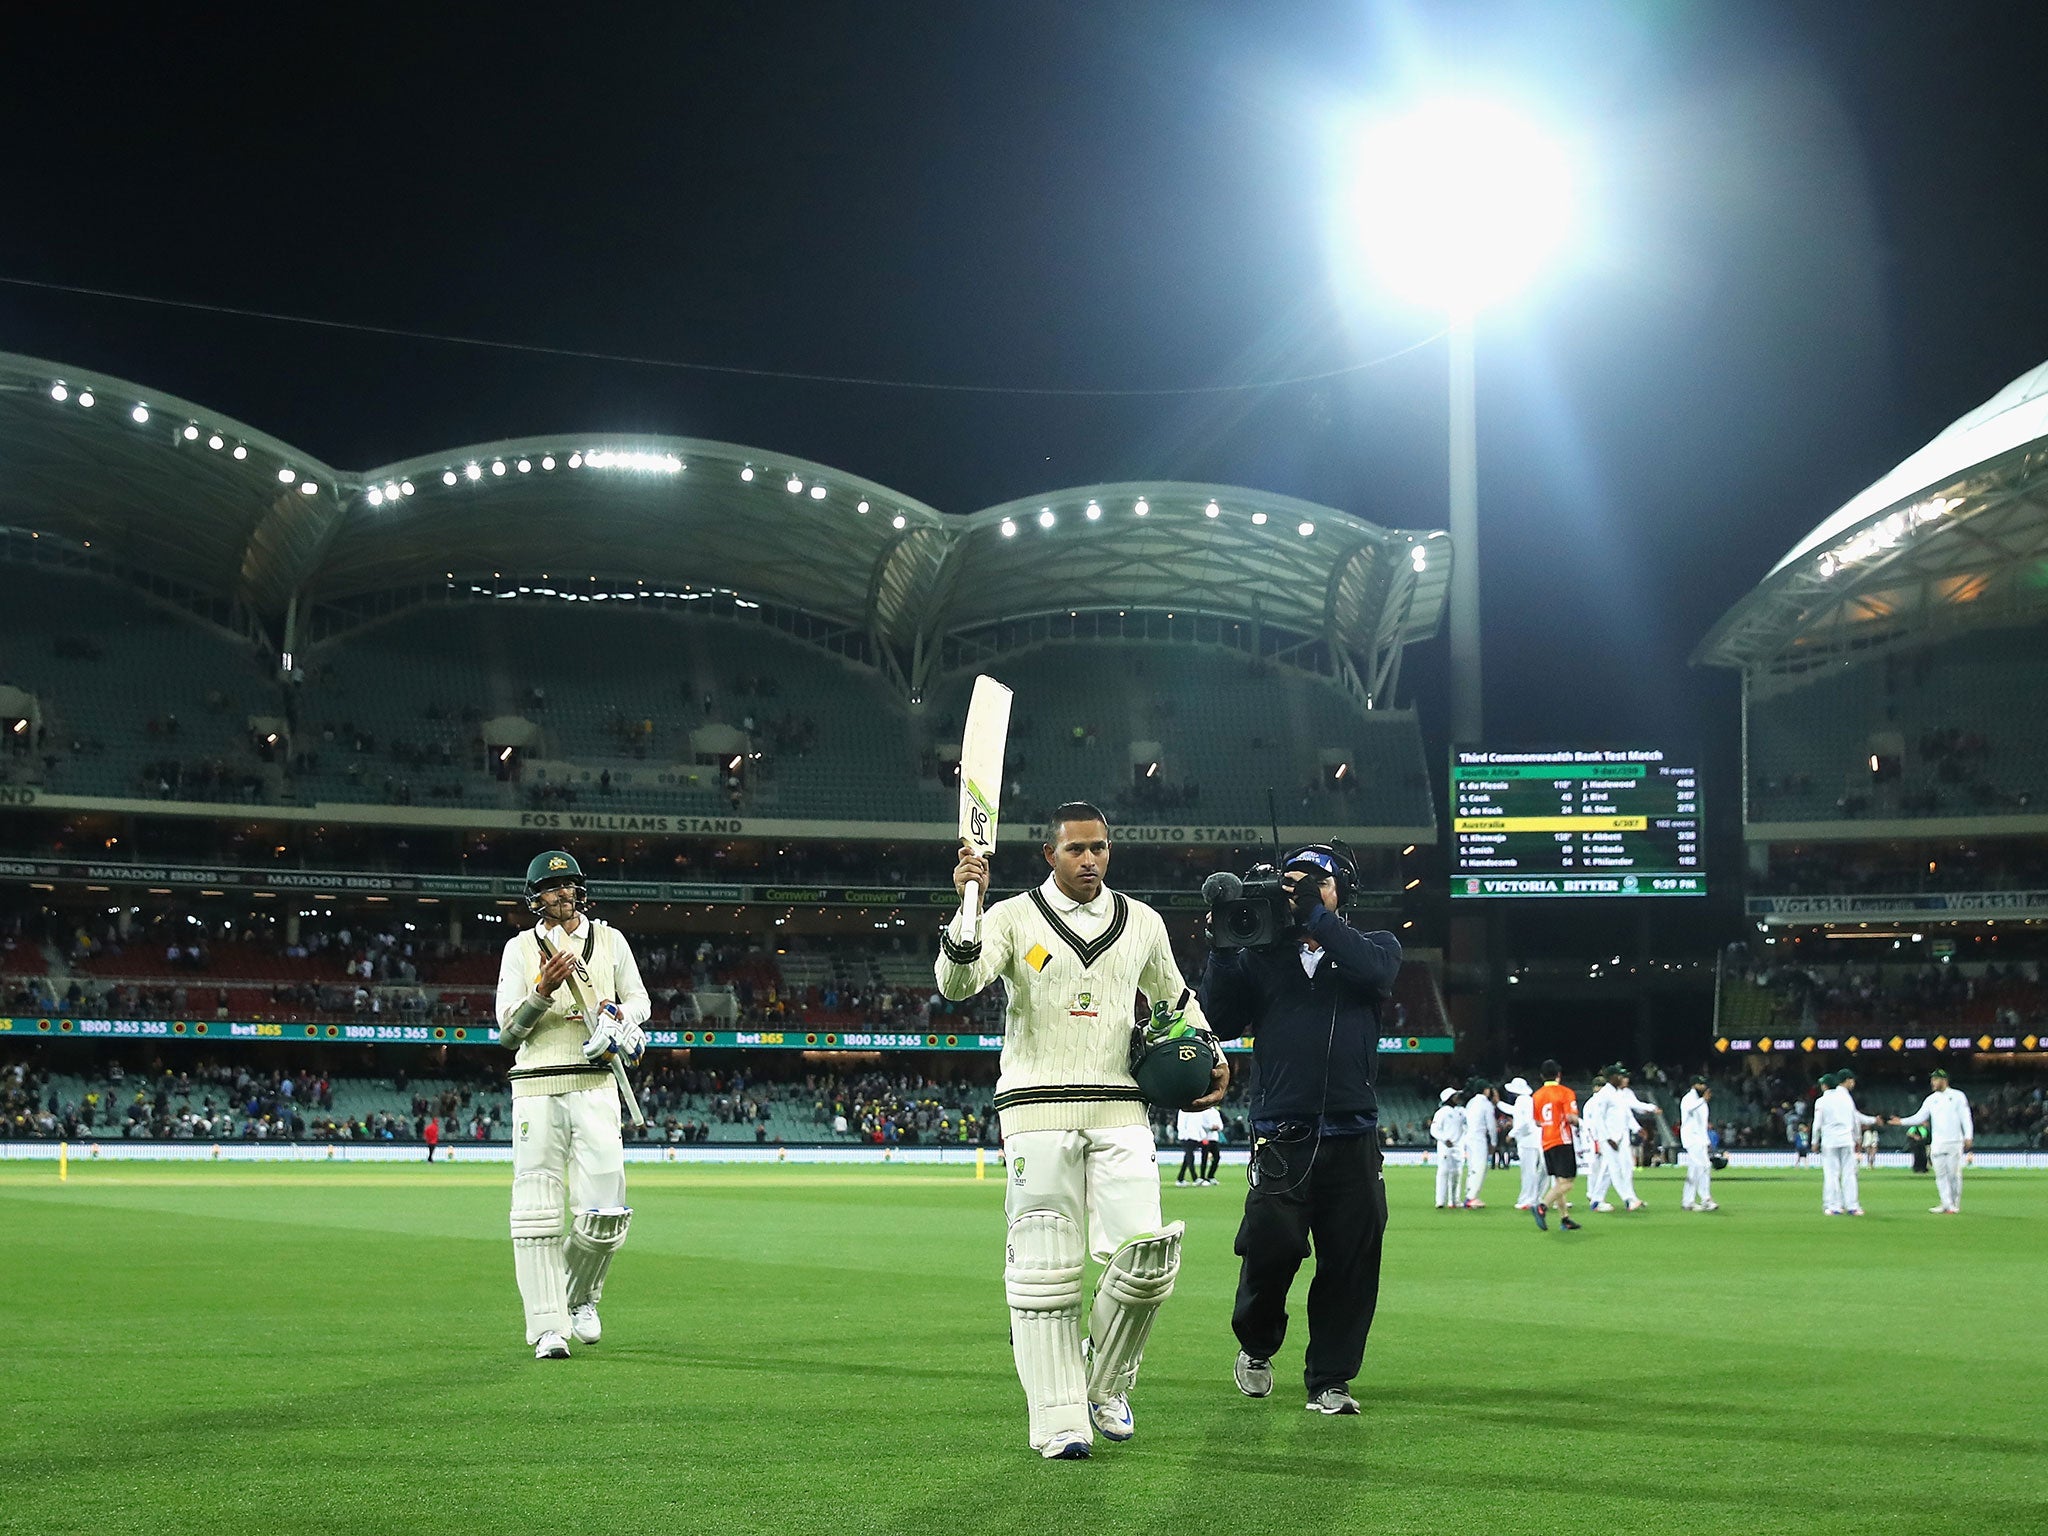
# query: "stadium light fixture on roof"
{"type": "Point", "coordinates": [1258, 519]}
{"type": "Point", "coordinates": [287, 475]}
{"type": "Point", "coordinates": [1009, 529]}
{"type": "Point", "coordinates": [497, 466]}
{"type": "Point", "coordinates": [1417, 557]}
{"type": "Point", "coordinates": [191, 433]}
{"type": "Point", "coordinates": [307, 487]}
{"type": "Point", "coordinates": [447, 477]}
{"type": "Point", "coordinates": [1094, 512]}
{"type": "Point", "coordinates": [1885, 533]}
{"type": "Point", "coordinates": [794, 485]}
{"type": "Point", "coordinates": [899, 521]}
{"type": "Point", "coordinates": [525, 466]}
{"type": "Point", "coordinates": [59, 393]}
{"type": "Point", "coordinates": [1212, 510]}
{"type": "Point", "coordinates": [376, 496]}
{"type": "Point", "coordinates": [575, 461]}
{"type": "Point", "coordinates": [85, 399]}
{"type": "Point", "coordinates": [817, 493]}
{"type": "Point", "coordinates": [862, 509]}
{"type": "Point", "coordinates": [547, 461]}
{"type": "Point", "coordinates": [1045, 517]}
{"type": "Point", "coordinates": [216, 442]}
{"type": "Point", "coordinates": [473, 472]}
{"type": "Point", "coordinates": [1306, 529]}
{"type": "Point", "coordinates": [140, 414]}
{"type": "Point", "coordinates": [1142, 507]}
{"type": "Point", "coordinates": [747, 473]}
{"type": "Point", "coordinates": [241, 450]}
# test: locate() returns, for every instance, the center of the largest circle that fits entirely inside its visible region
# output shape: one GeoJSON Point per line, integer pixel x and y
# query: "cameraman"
{"type": "Point", "coordinates": [1312, 1005]}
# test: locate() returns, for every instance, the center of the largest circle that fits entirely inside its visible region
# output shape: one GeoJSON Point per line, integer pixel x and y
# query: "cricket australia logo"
{"type": "Point", "coordinates": [1017, 1171]}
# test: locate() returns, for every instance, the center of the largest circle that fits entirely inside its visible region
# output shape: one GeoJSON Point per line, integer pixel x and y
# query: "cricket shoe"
{"type": "Point", "coordinates": [1067, 1445]}
{"type": "Point", "coordinates": [1475, 1205]}
{"type": "Point", "coordinates": [1937, 1210]}
{"type": "Point", "coordinates": [1254, 1376]}
{"type": "Point", "coordinates": [1113, 1419]}
{"type": "Point", "coordinates": [1600, 1205]}
{"type": "Point", "coordinates": [551, 1346]}
{"type": "Point", "coordinates": [1637, 1205]}
{"type": "Point", "coordinates": [1856, 1211]}
{"type": "Point", "coordinates": [1710, 1205]}
{"type": "Point", "coordinates": [1568, 1225]}
{"type": "Point", "coordinates": [583, 1324]}
{"type": "Point", "coordinates": [1539, 1212]}
{"type": "Point", "coordinates": [1333, 1400]}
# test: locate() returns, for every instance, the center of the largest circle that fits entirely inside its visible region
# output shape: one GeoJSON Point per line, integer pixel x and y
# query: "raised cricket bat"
{"type": "Point", "coordinates": [981, 780]}
{"type": "Point", "coordinates": [586, 999]}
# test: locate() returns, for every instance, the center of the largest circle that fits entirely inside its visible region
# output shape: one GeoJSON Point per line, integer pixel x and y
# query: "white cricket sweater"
{"type": "Point", "coordinates": [1692, 1122]}
{"type": "Point", "coordinates": [1074, 973]}
{"type": "Point", "coordinates": [550, 1060]}
{"type": "Point", "coordinates": [1947, 1117]}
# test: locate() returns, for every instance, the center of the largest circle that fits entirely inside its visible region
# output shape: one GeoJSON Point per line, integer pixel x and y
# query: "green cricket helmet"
{"type": "Point", "coordinates": [555, 867]}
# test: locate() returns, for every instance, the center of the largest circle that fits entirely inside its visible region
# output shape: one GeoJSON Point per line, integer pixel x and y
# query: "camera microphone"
{"type": "Point", "coordinates": [1221, 886]}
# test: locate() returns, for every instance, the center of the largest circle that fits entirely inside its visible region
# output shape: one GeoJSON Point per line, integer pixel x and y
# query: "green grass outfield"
{"type": "Point", "coordinates": [201, 1348]}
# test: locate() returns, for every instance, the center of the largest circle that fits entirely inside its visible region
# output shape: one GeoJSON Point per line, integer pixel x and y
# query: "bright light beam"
{"type": "Point", "coordinates": [1457, 204]}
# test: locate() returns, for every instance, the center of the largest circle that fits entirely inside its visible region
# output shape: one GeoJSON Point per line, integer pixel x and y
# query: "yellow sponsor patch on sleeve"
{"type": "Point", "coordinates": [1038, 957]}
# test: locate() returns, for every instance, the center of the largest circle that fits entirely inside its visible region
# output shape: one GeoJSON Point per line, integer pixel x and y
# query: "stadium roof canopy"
{"type": "Point", "coordinates": [207, 510]}
{"type": "Point", "coordinates": [1955, 537]}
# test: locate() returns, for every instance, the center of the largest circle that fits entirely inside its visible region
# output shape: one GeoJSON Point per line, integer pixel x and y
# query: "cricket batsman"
{"type": "Point", "coordinates": [1080, 1161]}
{"type": "Point", "coordinates": [569, 1000]}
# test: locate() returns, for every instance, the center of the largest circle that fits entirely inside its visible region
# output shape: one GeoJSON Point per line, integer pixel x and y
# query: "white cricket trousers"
{"type": "Point", "coordinates": [1699, 1176]}
{"type": "Point", "coordinates": [1478, 1156]}
{"type": "Point", "coordinates": [1838, 1179]}
{"type": "Point", "coordinates": [1105, 1182]}
{"type": "Point", "coordinates": [1448, 1167]}
{"type": "Point", "coordinates": [1535, 1177]}
{"type": "Point", "coordinates": [1948, 1173]}
{"type": "Point", "coordinates": [565, 1149]}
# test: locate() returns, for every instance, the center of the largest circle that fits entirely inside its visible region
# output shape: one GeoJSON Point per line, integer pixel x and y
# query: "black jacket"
{"type": "Point", "coordinates": [1299, 1023]}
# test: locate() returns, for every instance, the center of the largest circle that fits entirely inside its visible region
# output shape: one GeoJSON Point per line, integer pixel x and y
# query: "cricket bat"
{"type": "Point", "coordinates": [981, 781]}
{"type": "Point", "coordinates": [586, 999]}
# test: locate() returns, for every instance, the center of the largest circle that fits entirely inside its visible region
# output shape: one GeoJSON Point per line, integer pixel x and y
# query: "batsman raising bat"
{"type": "Point", "coordinates": [571, 1003]}
{"type": "Point", "coordinates": [1081, 1167]}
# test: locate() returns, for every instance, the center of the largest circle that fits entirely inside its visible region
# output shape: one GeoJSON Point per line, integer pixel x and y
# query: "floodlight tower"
{"type": "Point", "coordinates": [1457, 204]}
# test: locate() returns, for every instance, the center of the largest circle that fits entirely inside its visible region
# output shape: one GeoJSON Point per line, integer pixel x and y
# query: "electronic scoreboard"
{"type": "Point", "coordinates": [1575, 822]}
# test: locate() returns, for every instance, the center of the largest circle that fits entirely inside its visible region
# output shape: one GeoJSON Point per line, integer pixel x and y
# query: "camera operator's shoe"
{"type": "Point", "coordinates": [1333, 1400]}
{"type": "Point", "coordinates": [1254, 1377]}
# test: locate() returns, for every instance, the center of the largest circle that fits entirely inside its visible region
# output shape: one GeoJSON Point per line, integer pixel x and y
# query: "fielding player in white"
{"type": "Point", "coordinates": [1482, 1131]}
{"type": "Point", "coordinates": [1696, 1147]}
{"type": "Point", "coordinates": [1950, 1133]}
{"type": "Point", "coordinates": [1201, 1132]}
{"type": "Point", "coordinates": [565, 1106]}
{"type": "Point", "coordinates": [1447, 1130]}
{"type": "Point", "coordinates": [1614, 1110]}
{"type": "Point", "coordinates": [1836, 1123]}
{"type": "Point", "coordinates": [1081, 1164]}
{"type": "Point", "coordinates": [1528, 1137]}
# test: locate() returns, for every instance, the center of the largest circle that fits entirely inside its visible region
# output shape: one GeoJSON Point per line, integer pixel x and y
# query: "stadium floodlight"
{"type": "Point", "coordinates": [473, 471]}
{"type": "Point", "coordinates": [307, 487]}
{"type": "Point", "coordinates": [575, 461]}
{"type": "Point", "coordinates": [794, 485]}
{"type": "Point", "coordinates": [447, 477]}
{"type": "Point", "coordinates": [863, 507]}
{"type": "Point", "coordinates": [59, 393]}
{"type": "Point", "coordinates": [405, 487]}
{"type": "Point", "coordinates": [287, 475]}
{"type": "Point", "coordinates": [215, 442]}
{"type": "Point", "coordinates": [1009, 529]}
{"type": "Point", "coordinates": [191, 434]}
{"type": "Point", "coordinates": [525, 466]}
{"type": "Point", "coordinates": [1417, 558]}
{"type": "Point", "coordinates": [1143, 507]}
{"type": "Point", "coordinates": [817, 493]}
{"type": "Point", "coordinates": [1094, 512]}
{"type": "Point", "coordinates": [747, 473]}
{"type": "Point", "coordinates": [497, 466]}
{"type": "Point", "coordinates": [1258, 519]}
{"type": "Point", "coordinates": [376, 496]}
{"type": "Point", "coordinates": [899, 521]}
{"type": "Point", "coordinates": [1045, 517]}
{"type": "Point", "coordinates": [85, 398]}
{"type": "Point", "coordinates": [547, 461]}
{"type": "Point", "coordinates": [1306, 529]}
{"type": "Point", "coordinates": [140, 414]}
{"type": "Point", "coordinates": [1457, 203]}
{"type": "Point", "coordinates": [1212, 510]}
{"type": "Point", "coordinates": [241, 450]}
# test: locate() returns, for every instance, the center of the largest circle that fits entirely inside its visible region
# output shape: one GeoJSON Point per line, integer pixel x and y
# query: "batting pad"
{"type": "Point", "coordinates": [1138, 1277]}
{"type": "Point", "coordinates": [1045, 1262]}
{"type": "Point", "coordinates": [537, 1200]}
{"type": "Point", "coordinates": [594, 1236]}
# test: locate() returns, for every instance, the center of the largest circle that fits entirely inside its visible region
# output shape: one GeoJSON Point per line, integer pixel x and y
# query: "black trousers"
{"type": "Point", "coordinates": [1327, 1193]}
{"type": "Point", "coordinates": [1190, 1151]}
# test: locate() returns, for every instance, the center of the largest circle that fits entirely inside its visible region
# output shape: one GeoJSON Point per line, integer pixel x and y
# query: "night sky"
{"type": "Point", "coordinates": [1812, 239]}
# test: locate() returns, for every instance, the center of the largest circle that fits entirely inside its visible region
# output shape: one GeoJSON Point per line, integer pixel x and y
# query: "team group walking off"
{"type": "Point", "coordinates": [1079, 963]}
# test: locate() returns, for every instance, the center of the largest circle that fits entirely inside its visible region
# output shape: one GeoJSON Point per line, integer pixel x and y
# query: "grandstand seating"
{"type": "Point", "coordinates": [111, 672]}
{"type": "Point", "coordinates": [1955, 718]}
